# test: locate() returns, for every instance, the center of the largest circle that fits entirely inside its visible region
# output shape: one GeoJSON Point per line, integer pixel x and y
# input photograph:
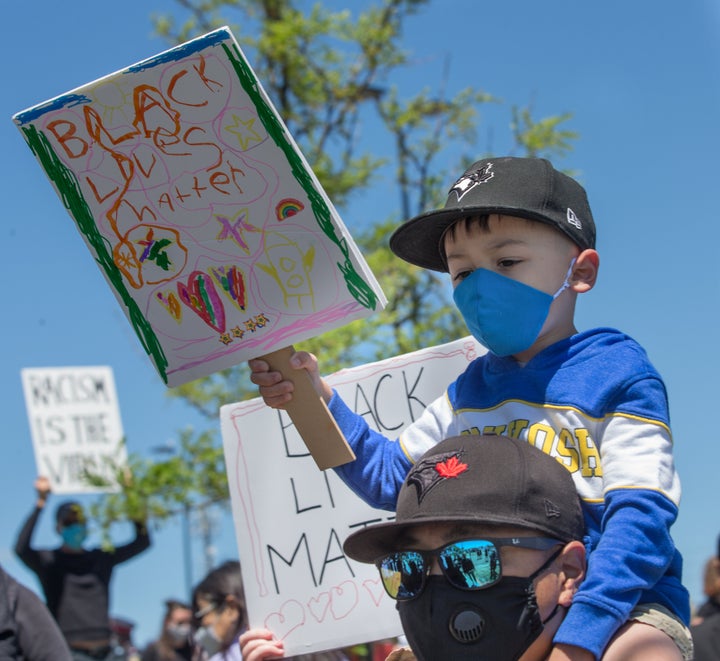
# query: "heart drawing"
{"type": "Point", "coordinates": [290, 617]}
{"type": "Point", "coordinates": [374, 589]}
{"type": "Point", "coordinates": [202, 298]}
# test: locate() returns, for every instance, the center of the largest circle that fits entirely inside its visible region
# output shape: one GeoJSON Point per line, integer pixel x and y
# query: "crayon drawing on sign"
{"type": "Point", "coordinates": [201, 212]}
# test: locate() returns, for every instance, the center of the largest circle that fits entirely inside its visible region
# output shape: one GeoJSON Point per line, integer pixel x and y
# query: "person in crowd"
{"type": "Point", "coordinates": [121, 638]}
{"type": "Point", "coordinates": [705, 627]}
{"type": "Point", "coordinates": [517, 238]}
{"type": "Point", "coordinates": [711, 589]}
{"type": "Point", "coordinates": [483, 558]}
{"type": "Point", "coordinates": [27, 630]}
{"type": "Point", "coordinates": [75, 580]}
{"type": "Point", "coordinates": [219, 614]}
{"type": "Point", "coordinates": [706, 638]}
{"type": "Point", "coordinates": [175, 641]}
{"type": "Point", "coordinates": [220, 617]}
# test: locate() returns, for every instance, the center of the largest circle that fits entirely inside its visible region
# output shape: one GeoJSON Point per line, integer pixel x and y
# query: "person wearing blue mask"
{"type": "Point", "coordinates": [75, 580]}
{"type": "Point", "coordinates": [517, 238]}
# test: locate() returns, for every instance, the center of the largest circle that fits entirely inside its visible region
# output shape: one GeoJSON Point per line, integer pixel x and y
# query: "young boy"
{"type": "Point", "coordinates": [518, 240]}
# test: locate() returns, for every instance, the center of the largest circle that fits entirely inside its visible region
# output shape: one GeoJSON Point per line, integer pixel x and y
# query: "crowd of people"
{"type": "Point", "coordinates": [487, 558]}
{"type": "Point", "coordinates": [533, 500]}
{"type": "Point", "coordinates": [74, 621]}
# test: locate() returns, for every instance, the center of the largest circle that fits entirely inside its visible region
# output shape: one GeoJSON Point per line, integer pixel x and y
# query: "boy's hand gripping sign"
{"type": "Point", "coordinates": [197, 205]}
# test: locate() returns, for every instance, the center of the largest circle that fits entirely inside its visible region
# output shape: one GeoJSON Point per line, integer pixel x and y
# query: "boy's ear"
{"type": "Point", "coordinates": [585, 271]}
{"type": "Point", "coordinates": [572, 571]}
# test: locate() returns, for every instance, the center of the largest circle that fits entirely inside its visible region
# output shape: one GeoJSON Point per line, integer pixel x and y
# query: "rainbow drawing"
{"type": "Point", "coordinates": [288, 207]}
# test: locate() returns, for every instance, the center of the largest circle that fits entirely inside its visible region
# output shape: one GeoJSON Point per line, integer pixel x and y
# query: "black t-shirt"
{"type": "Point", "coordinates": [710, 607]}
{"type": "Point", "coordinates": [152, 653]}
{"type": "Point", "coordinates": [706, 639]}
{"type": "Point", "coordinates": [76, 585]}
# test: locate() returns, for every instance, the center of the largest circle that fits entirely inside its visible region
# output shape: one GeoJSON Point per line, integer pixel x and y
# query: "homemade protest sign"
{"type": "Point", "coordinates": [291, 519]}
{"type": "Point", "coordinates": [75, 425]}
{"type": "Point", "coordinates": [204, 217]}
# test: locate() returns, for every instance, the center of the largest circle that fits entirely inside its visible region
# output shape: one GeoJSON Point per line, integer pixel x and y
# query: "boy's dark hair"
{"type": "Point", "coordinates": [524, 187]}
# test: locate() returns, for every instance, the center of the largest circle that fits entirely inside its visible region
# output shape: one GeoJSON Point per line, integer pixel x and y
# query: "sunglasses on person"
{"type": "Point", "coordinates": [471, 564]}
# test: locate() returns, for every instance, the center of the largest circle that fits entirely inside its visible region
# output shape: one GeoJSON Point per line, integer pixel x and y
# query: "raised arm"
{"type": "Point", "coordinates": [137, 546]}
{"type": "Point", "coordinates": [30, 556]}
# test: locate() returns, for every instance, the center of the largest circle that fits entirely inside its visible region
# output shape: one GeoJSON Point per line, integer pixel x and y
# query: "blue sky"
{"type": "Point", "coordinates": [643, 84]}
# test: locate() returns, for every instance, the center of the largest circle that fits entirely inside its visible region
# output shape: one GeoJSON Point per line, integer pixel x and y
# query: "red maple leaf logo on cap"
{"type": "Point", "coordinates": [451, 468]}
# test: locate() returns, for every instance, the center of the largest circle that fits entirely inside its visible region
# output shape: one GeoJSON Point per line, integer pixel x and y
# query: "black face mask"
{"type": "Point", "coordinates": [495, 624]}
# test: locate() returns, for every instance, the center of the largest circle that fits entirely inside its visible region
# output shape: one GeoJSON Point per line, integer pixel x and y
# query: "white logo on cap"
{"type": "Point", "coordinates": [471, 179]}
{"type": "Point", "coordinates": [573, 219]}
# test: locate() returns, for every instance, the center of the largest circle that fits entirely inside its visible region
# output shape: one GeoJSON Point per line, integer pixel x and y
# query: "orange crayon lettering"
{"type": "Point", "coordinates": [171, 90]}
{"type": "Point", "coordinates": [96, 128]}
{"type": "Point", "coordinates": [100, 198]}
{"type": "Point", "coordinates": [153, 114]}
{"type": "Point", "coordinates": [64, 132]}
{"type": "Point", "coordinates": [218, 179]}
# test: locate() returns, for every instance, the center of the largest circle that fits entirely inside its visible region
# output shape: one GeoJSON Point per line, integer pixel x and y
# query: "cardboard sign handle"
{"type": "Point", "coordinates": [310, 414]}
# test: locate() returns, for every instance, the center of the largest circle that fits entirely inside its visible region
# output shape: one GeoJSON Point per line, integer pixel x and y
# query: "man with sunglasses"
{"type": "Point", "coordinates": [484, 555]}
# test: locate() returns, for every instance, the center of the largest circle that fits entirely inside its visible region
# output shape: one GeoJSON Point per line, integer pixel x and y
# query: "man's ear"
{"type": "Point", "coordinates": [585, 271]}
{"type": "Point", "coordinates": [231, 603]}
{"type": "Point", "coordinates": [572, 571]}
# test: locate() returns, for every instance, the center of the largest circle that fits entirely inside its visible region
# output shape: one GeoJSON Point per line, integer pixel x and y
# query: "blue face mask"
{"type": "Point", "coordinates": [503, 314]}
{"type": "Point", "coordinates": [74, 535]}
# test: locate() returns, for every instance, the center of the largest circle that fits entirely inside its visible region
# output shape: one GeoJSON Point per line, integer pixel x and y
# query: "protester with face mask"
{"type": "Point", "coordinates": [219, 614]}
{"type": "Point", "coordinates": [76, 580]}
{"type": "Point", "coordinates": [483, 558]}
{"type": "Point", "coordinates": [175, 642]}
{"type": "Point", "coordinates": [517, 238]}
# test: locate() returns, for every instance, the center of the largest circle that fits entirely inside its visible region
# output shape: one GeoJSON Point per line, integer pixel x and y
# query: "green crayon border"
{"type": "Point", "coordinates": [72, 198]}
{"type": "Point", "coordinates": [358, 288]}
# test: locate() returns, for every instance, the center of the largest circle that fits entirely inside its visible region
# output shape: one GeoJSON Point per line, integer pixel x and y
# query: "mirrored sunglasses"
{"type": "Point", "coordinates": [471, 564]}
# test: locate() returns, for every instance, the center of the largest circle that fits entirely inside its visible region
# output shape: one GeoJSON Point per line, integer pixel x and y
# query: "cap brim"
{"type": "Point", "coordinates": [418, 240]}
{"type": "Point", "coordinates": [375, 542]}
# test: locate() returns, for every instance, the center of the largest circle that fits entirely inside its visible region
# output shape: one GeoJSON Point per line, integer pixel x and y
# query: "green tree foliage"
{"type": "Point", "coordinates": [332, 75]}
{"type": "Point", "coordinates": [151, 490]}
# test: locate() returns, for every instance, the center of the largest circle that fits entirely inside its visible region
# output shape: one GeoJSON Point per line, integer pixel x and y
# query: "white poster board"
{"type": "Point", "coordinates": [203, 215]}
{"type": "Point", "coordinates": [75, 424]}
{"type": "Point", "coordinates": [291, 519]}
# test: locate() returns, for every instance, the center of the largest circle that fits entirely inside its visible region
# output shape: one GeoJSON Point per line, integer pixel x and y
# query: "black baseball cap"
{"type": "Point", "coordinates": [488, 480]}
{"type": "Point", "coordinates": [70, 512]}
{"type": "Point", "coordinates": [524, 187]}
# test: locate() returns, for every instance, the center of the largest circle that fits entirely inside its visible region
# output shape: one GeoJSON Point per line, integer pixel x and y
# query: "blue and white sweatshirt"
{"type": "Point", "coordinates": [594, 402]}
